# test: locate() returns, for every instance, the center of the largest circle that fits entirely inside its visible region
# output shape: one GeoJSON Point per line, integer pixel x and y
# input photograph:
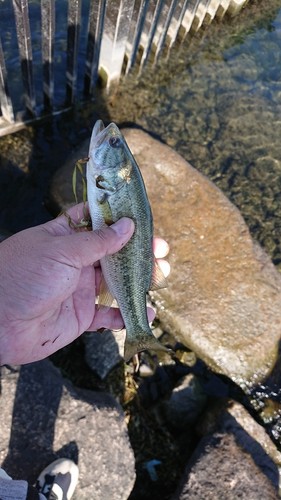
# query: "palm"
{"type": "Point", "coordinates": [48, 287]}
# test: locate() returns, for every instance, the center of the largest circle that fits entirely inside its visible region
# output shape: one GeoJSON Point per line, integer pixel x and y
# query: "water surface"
{"type": "Point", "coordinates": [217, 101]}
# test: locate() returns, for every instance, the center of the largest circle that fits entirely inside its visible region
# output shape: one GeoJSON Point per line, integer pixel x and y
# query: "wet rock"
{"type": "Point", "coordinates": [185, 403]}
{"type": "Point", "coordinates": [223, 295]}
{"type": "Point", "coordinates": [103, 350]}
{"type": "Point", "coordinates": [44, 417]}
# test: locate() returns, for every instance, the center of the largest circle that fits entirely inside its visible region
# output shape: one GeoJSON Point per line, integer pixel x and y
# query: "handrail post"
{"type": "Point", "coordinates": [25, 50]}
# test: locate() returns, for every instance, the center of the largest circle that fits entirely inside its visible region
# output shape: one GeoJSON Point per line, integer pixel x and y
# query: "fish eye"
{"type": "Point", "coordinates": [115, 142]}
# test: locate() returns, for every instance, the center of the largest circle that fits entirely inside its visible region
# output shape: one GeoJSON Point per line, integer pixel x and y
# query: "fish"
{"type": "Point", "coordinates": [115, 189]}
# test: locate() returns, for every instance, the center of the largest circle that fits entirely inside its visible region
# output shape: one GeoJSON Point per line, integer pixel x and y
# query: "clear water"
{"type": "Point", "coordinates": [217, 101]}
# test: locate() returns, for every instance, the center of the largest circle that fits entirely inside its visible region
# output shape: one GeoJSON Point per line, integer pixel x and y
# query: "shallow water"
{"type": "Point", "coordinates": [217, 101]}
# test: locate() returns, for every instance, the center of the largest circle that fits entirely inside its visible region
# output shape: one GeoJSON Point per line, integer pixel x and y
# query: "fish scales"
{"type": "Point", "coordinates": [116, 189]}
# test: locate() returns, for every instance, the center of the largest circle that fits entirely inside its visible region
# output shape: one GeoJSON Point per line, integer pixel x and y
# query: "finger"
{"type": "Point", "coordinates": [164, 266]}
{"type": "Point", "coordinates": [150, 314]}
{"type": "Point", "coordinates": [85, 248]}
{"type": "Point", "coordinates": [160, 248]}
{"type": "Point", "coordinates": [66, 222]}
{"type": "Point", "coordinates": [107, 318]}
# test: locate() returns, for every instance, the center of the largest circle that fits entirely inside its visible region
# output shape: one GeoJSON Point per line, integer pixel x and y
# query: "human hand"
{"type": "Point", "coordinates": [48, 285]}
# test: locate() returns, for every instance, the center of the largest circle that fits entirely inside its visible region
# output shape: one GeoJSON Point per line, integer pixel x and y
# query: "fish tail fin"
{"type": "Point", "coordinates": [141, 341]}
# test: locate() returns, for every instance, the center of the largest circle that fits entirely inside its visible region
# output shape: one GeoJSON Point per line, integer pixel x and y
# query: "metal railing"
{"type": "Point", "coordinates": [52, 56]}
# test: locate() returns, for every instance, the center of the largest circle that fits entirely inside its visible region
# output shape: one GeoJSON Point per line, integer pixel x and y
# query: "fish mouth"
{"type": "Point", "coordinates": [101, 133]}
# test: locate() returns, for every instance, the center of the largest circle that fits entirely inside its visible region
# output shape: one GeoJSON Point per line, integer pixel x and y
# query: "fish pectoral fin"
{"type": "Point", "coordinates": [105, 298]}
{"type": "Point", "coordinates": [104, 184]}
{"type": "Point", "coordinates": [158, 279]}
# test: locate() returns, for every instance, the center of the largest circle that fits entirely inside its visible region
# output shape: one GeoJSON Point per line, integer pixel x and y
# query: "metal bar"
{"type": "Point", "coordinates": [10, 128]}
{"type": "Point", "coordinates": [73, 27]}
{"type": "Point", "coordinates": [190, 12]}
{"type": "Point", "coordinates": [95, 31]}
{"type": "Point", "coordinates": [212, 9]}
{"type": "Point", "coordinates": [116, 31]}
{"type": "Point", "coordinates": [155, 19]}
{"type": "Point", "coordinates": [165, 28]}
{"type": "Point", "coordinates": [137, 34]}
{"type": "Point", "coordinates": [25, 50]}
{"type": "Point", "coordinates": [122, 30]}
{"type": "Point", "coordinates": [48, 30]}
{"type": "Point", "coordinates": [5, 100]}
{"type": "Point", "coordinates": [181, 9]}
{"type": "Point", "coordinates": [199, 14]}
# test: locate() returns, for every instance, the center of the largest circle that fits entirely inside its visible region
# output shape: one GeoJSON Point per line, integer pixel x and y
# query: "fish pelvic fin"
{"type": "Point", "coordinates": [142, 341]}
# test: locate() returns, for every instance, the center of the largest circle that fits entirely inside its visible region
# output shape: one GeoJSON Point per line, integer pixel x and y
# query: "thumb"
{"type": "Point", "coordinates": [87, 247]}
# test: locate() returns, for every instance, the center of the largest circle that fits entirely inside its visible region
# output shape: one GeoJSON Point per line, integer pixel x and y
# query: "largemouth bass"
{"type": "Point", "coordinates": [115, 189]}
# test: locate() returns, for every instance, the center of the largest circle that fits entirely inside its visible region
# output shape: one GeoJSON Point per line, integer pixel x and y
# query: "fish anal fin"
{"type": "Point", "coordinates": [105, 298]}
{"type": "Point", "coordinates": [158, 279]}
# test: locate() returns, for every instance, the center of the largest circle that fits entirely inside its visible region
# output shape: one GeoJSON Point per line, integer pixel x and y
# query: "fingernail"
{"type": "Point", "coordinates": [123, 226]}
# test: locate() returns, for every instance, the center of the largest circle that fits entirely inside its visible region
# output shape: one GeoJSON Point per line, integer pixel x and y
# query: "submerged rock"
{"type": "Point", "coordinates": [185, 403]}
{"type": "Point", "coordinates": [223, 295]}
{"type": "Point", "coordinates": [43, 417]}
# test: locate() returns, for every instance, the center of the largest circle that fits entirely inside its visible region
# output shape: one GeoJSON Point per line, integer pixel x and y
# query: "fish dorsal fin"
{"type": "Point", "coordinates": [158, 279]}
{"type": "Point", "coordinates": [105, 298]}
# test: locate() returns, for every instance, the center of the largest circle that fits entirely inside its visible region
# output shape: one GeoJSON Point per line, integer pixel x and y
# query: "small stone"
{"type": "Point", "coordinates": [145, 370]}
{"type": "Point", "coordinates": [185, 404]}
{"type": "Point", "coordinates": [103, 351]}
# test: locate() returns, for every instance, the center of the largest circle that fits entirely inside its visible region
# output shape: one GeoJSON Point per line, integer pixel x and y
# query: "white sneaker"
{"type": "Point", "coordinates": [58, 480]}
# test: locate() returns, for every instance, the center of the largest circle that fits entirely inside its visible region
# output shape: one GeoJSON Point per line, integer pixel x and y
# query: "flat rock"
{"type": "Point", "coordinates": [231, 417]}
{"type": "Point", "coordinates": [234, 459]}
{"type": "Point", "coordinates": [221, 469]}
{"type": "Point", "coordinates": [223, 295]}
{"type": "Point", "coordinates": [44, 417]}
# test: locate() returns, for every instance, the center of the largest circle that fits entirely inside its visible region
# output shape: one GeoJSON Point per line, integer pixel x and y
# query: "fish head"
{"type": "Point", "coordinates": [108, 149]}
{"type": "Point", "coordinates": [109, 171]}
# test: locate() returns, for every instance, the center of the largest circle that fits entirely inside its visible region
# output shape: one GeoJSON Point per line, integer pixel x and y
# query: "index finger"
{"type": "Point", "coordinates": [66, 222]}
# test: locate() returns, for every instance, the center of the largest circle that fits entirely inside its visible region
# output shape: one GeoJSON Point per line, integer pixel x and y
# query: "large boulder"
{"type": "Point", "coordinates": [223, 295]}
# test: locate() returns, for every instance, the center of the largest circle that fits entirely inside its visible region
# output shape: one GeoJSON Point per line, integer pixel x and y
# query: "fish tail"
{"type": "Point", "coordinates": [141, 341]}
